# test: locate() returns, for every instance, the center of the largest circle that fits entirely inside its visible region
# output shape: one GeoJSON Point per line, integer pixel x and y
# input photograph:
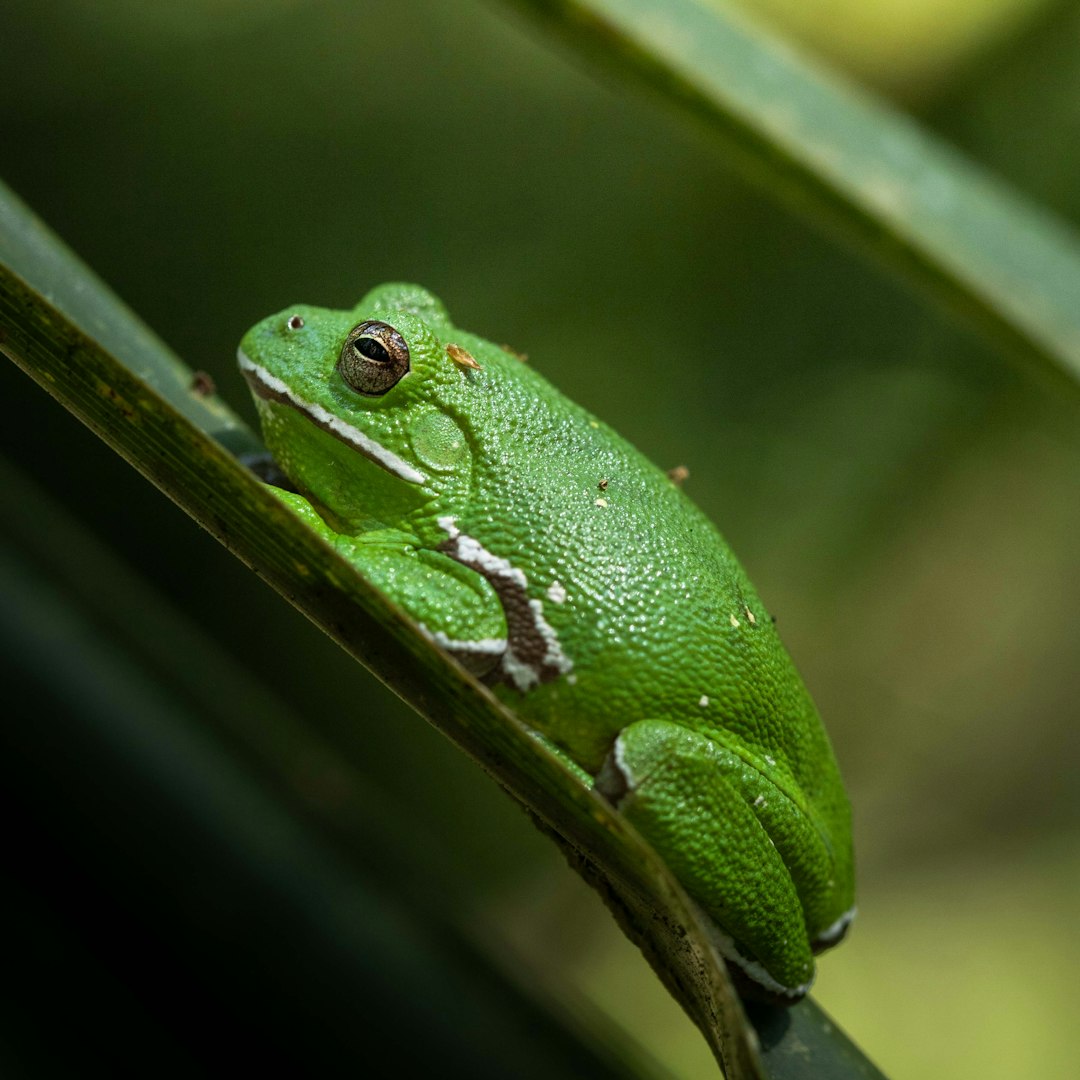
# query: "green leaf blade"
{"type": "Point", "coordinates": [48, 270]}
{"type": "Point", "coordinates": [857, 166]}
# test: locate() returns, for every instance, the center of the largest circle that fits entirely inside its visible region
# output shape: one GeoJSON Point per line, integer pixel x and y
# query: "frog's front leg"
{"type": "Point", "coordinates": [693, 802]}
{"type": "Point", "coordinates": [454, 606]}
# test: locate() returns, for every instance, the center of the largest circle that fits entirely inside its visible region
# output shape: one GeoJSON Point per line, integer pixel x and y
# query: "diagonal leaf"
{"type": "Point", "coordinates": [37, 264]}
{"type": "Point", "coordinates": [854, 164]}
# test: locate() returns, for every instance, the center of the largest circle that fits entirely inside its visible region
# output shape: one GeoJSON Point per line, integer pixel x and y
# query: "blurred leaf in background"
{"type": "Point", "coordinates": [903, 499]}
{"type": "Point", "coordinates": [910, 47]}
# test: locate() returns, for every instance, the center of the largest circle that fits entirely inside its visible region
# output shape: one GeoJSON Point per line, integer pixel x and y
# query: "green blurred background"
{"type": "Point", "coordinates": [906, 503]}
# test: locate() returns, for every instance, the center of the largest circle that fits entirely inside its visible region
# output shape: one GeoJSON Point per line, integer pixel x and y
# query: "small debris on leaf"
{"type": "Point", "coordinates": [202, 384]}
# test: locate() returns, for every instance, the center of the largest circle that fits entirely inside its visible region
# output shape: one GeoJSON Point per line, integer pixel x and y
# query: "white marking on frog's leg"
{"type": "Point", "coordinates": [481, 645]}
{"type": "Point", "coordinates": [478, 656]}
{"type": "Point", "coordinates": [271, 388]}
{"type": "Point", "coordinates": [533, 652]}
{"type": "Point", "coordinates": [619, 753]}
{"type": "Point", "coordinates": [556, 593]}
{"type": "Point", "coordinates": [832, 934]}
{"type": "Point", "coordinates": [523, 675]}
{"type": "Point", "coordinates": [615, 780]}
{"type": "Point", "coordinates": [726, 947]}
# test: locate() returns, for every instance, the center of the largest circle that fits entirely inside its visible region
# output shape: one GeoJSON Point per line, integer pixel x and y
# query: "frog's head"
{"type": "Point", "coordinates": [361, 408]}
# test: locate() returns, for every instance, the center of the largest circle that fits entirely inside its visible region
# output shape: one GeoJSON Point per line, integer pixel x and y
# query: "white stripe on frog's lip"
{"type": "Point", "coordinates": [272, 388]}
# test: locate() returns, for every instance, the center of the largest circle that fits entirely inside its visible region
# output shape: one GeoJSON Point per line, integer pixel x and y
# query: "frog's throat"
{"type": "Point", "coordinates": [271, 388]}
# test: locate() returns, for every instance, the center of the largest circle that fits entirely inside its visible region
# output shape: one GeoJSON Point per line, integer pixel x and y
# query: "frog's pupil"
{"type": "Point", "coordinates": [372, 349]}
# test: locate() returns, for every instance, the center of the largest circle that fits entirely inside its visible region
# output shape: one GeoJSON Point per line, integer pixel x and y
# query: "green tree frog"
{"type": "Point", "coordinates": [539, 548]}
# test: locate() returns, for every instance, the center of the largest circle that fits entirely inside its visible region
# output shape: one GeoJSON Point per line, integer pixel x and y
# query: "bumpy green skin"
{"type": "Point", "coordinates": [547, 554]}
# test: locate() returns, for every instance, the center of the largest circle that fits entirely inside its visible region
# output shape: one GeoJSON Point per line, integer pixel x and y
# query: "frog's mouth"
{"type": "Point", "coordinates": [271, 388]}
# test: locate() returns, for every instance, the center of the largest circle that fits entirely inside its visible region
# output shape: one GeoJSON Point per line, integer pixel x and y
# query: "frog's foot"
{"type": "Point", "coordinates": [556, 750]}
{"type": "Point", "coordinates": [693, 801]}
{"type": "Point", "coordinates": [835, 933]}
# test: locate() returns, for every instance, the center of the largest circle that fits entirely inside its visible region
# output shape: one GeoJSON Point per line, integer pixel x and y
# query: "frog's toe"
{"type": "Point", "coordinates": [833, 935]}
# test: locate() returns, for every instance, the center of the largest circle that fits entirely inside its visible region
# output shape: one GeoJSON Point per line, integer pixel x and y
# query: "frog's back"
{"type": "Point", "coordinates": [659, 621]}
{"type": "Point", "coordinates": [648, 602]}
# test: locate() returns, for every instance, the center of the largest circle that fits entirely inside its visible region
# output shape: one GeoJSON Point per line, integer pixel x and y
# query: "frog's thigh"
{"type": "Point", "coordinates": [455, 606]}
{"type": "Point", "coordinates": [670, 784]}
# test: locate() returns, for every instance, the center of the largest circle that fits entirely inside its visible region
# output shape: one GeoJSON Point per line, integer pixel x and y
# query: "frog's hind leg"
{"type": "Point", "coordinates": [683, 792]}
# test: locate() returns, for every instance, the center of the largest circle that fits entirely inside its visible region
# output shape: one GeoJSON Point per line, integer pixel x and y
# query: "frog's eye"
{"type": "Point", "coordinates": [373, 358]}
